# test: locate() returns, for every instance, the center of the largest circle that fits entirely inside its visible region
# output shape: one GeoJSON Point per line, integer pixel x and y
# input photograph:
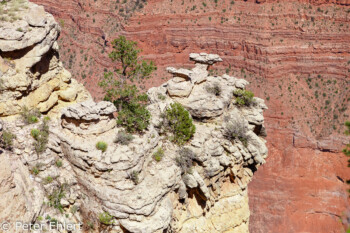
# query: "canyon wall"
{"type": "Point", "coordinates": [296, 54]}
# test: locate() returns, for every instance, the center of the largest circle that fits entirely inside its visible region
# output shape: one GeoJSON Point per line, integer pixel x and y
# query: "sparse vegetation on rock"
{"type": "Point", "coordinates": [158, 155]}
{"type": "Point", "coordinates": [35, 170]}
{"type": "Point", "coordinates": [30, 116]}
{"type": "Point", "coordinates": [56, 196]}
{"type": "Point", "coordinates": [125, 181]}
{"type": "Point", "coordinates": [35, 133]}
{"type": "Point", "coordinates": [236, 129]}
{"type": "Point", "coordinates": [59, 163]}
{"type": "Point", "coordinates": [6, 139]}
{"type": "Point", "coordinates": [41, 136]}
{"type": "Point", "coordinates": [10, 10]}
{"type": "Point", "coordinates": [102, 146]}
{"type": "Point", "coordinates": [134, 176]}
{"type": "Point", "coordinates": [123, 138]}
{"type": "Point", "coordinates": [105, 218]}
{"type": "Point", "coordinates": [185, 160]}
{"type": "Point", "coordinates": [214, 89]}
{"type": "Point", "coordinates": [244, 97]}
{"type": "Point", "coordinates": [48, 180]}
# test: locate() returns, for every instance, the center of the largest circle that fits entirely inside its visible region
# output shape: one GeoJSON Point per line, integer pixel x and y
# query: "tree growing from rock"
{"type": "Point", "coordinates": [179, 122]}
{"type": "Point", "coordinates": [121, 86]}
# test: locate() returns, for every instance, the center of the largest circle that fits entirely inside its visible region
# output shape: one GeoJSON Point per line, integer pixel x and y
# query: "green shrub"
{"type": "Point", "coordinates": [48, 180]}
{"type": "Point", "coordinates": [74, 209]}
{"type": "Point", "coordinates": [56, 196]}
{"type": "Point", "coordinates": [90, 225]}
{"type": "Point", "coordinates": [102, 146]}
{"type": "Point", "coordinates": [41, 137]}
{"type": "Point", "coordinates": [123, 138]}
{"type": "Point", "coordinates": [161, 97]}
{"type": "Point", "coordinates": [6, 140]}
{"type": "Point", "coordinates": [105, 218]}
{"type": "Point", "coordinates": [179, 122]}
{"type": "Point", "coordinates": [1, 82]}
{"type": "Point", "coordinates": [30, 116]}
{"type": "Point", "coordinates": [35, 170]}
{"type": "Point", "coordinates": [244, 97]}
{"type": "Point", "coordinates": [35, 133]}
{"type": "Point", "coordinates": [134, 176]}
{"type": "Point", "coordinates": [236, 129]}
{"type": "Point", "coordinates": [214, 89]}
{"type": "Point", "coordinates": [134, 117]}
{"type": "Point", "coordinates": [185, 160]}
{"type": "Point", "coordinates": [158, 155]}
{"type": "Point", "coordinates": [53, 223]}
{"type": "Point", "coordinates": [59, 163]}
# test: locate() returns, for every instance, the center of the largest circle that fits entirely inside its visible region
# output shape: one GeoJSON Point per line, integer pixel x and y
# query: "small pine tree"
{"type": "Point", "coordinates": [121, 85]}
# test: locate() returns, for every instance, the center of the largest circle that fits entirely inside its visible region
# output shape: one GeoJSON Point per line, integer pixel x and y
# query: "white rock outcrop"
{"type": "Point", "coordinates": [30, 72]}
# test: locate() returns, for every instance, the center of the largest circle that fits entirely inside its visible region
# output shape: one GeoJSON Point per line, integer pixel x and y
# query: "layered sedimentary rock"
{"type": "Point", "coordinates": [54, 173]}
{"type": "Point", "coordinates": [295, 55]}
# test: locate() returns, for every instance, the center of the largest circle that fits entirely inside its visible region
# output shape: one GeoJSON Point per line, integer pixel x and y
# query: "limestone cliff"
{"type": "Point", "coordinates": [30, 70]}
{"type": "Point", "coordinates": [72, 181]}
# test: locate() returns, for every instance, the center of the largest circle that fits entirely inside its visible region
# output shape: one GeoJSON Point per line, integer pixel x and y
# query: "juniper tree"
{"type": "Point", "coordinates": [121, 86]}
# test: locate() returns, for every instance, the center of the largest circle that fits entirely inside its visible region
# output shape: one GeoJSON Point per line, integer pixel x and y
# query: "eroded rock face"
{"type": "Point", "coordinates": [31, 74]}
{"type": "Point", "coordinates": [89, 118]}
{"type": "Point", "coordinates": [156, 203]}
{"type": "Point", "coordinates": [163, 198]}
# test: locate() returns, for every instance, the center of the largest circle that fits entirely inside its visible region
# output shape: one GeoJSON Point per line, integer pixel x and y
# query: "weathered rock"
{"type": "Point", "coordinates": [68, 95]}
{"type": "Point", "coordinates": [205, 58]}
{"type": "Point", "coordinates": [179, 88]}
{"type": "Point", "coordinates": [24, 42]}
{"type": "Point", "coordinates": [89, 118]}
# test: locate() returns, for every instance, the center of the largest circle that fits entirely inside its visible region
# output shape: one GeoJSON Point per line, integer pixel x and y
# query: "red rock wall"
{"type": "Point", "coordinates": [296, 56]}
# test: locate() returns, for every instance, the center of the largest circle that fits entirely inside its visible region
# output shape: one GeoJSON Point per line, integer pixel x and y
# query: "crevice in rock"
{"type": "Point", "coordinates": [77, 123]}
{"type": "Point", "coordinates": [43, 66]}
{"type": "Point", "coordinates": [340, 179]}
{"type": "Point", "coordinates": [252, 167]}
{"type": "Point", "coordinates": [257, 129]}
{"type": "Point", "coordinates": [198, 195]}
{"type": "Point", "coordinates": [17, 54]}
{"type": "Point", "coordinates": [124, 229]}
